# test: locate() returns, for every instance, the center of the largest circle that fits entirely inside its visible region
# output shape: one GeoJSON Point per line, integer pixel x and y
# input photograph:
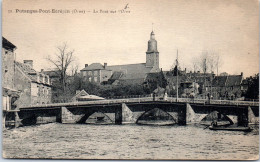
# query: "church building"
{"type": "Point", "coordinates": [129, 73]}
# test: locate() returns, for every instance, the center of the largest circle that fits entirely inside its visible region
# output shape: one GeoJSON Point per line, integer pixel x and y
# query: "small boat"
{"type": "Point", "coordinates": [245, 129]}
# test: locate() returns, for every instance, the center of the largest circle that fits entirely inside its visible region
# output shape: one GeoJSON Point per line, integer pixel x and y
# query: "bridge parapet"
{"type": "Point", "coordinates": [230, 102]}
{"type": "Point", "coordinates": [146, 99]}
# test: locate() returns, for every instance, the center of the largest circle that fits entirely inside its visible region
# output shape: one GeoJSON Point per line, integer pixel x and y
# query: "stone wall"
{"type": "Point", "coordinates": [23, 84]}
{"type": "Point", "coordinates": [105, 75]}
{"type": "Point", "coordinates": [7, 69]}
{"type": "Point", "coordinates": [40, 94]}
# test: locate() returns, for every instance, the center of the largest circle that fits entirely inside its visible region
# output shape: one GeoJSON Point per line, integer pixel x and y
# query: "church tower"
{"type": "Point", "coordinates": [152, 55]}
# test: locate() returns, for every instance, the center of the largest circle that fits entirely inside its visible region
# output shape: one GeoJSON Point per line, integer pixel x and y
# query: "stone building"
{"type": "Point", "coordinates": [9, 91]}
{"type": "Point", "coordinates": [127, 74]}
{"type": "Point", "coordinates": [155, 80]}
{"type": "Point", "coordinates": [226, 87]}
{"type": "Point", "coordinates": [190, 84]}
{"type": "Point", "coordinates": [35, 86]}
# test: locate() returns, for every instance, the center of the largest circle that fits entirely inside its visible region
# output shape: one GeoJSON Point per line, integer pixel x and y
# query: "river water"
{"type": "Point", "coordinates": [82, 141]}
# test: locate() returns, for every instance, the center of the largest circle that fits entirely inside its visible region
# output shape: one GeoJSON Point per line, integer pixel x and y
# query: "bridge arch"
{"type": "Point", "coordinates": [85, 117]}
{"type": "Point", "coordinates": [216, 115]}
{"type": "Point", "coordinates": [151, 111]}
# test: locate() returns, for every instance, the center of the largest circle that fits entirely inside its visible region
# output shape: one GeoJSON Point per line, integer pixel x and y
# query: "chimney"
{"type": "Point", "coordinates": [198, 71]}
{"type": "Point", "coordinates": [86, 65]}
{"type": "Point", "coordinates": [242, 73]}
{"type": "Point", "coordinates": [105, 65]}
{"type": "Point", "coordinates": [28, 62]}
{"type": "Point", "coordinates": [185, 70]}
{"type": "Point", "coordinates": [42, 70]}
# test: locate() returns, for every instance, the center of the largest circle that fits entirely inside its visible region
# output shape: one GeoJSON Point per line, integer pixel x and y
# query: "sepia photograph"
{"type": "Point", "coordinates": [130, 79]}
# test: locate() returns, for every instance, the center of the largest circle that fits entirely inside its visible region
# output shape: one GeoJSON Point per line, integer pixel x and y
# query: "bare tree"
{"type": "Point", "coordinates": [74, 70]}
{"type": "Point", "coordinates": [204, 62]}
{"type": "Point", "coordinates": [195, 64]}
{"type": "Point", "coordinates": [62, 61]}
{"type": "Point", "coordinates": [210, 62]}
{"type": "Point", "coordinates": [223, 74]}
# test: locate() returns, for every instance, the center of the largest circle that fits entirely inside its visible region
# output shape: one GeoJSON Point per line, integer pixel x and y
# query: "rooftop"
{"type": "Point", "coordinates": [7, 45]}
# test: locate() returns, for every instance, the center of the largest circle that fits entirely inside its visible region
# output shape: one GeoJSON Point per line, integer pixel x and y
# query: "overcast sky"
{"type": "Point", "coordinates": [227, 27]}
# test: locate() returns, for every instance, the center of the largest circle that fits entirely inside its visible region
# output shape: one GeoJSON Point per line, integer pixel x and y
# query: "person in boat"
{"type": "Point", "coordinates": [153, 96]}
{"type": "Point", "coordinates": [214, 123]}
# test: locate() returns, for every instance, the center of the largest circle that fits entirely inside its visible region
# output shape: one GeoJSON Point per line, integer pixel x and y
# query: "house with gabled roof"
{"type": "Point", "coordinates": [226, 87]}
{"type": "Point", "coordinates": [35, 87]}
{"type": "Point", "coordinates": [78, 94]}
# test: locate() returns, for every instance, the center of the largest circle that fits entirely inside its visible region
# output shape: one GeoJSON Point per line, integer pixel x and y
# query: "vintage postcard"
{"type": "Point", "coordinates": [130, 79]}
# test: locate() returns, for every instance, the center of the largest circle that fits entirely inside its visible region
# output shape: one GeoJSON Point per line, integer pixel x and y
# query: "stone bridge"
{"type": "Point", "coordinates": [124, 111]}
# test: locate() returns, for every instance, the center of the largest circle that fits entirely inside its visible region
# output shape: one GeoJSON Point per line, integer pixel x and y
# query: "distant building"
{"type": "Point", "coordinates": [78, 95]}
{"type": "Point", "coordinates": [155, 80]}
{"type": "Point", "coordinates": [53, 74]}
{"type": "Point", "coordinates": [190, 84]}
{"type": "Point", "coordinates": [244, 86]}
{"type": "Point", "coordinates": [226, 87]}
{"type": "Point", "coordinates": [35, 86]}
{"type": "Point", "coordinates": [128, 74]}
{"type": "Point", "coordinates": [189, 89]}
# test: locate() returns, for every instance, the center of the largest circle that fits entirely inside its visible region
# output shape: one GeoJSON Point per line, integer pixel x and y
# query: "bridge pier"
{"type": "Point", "coordinates": [192, 117]}
{"type": "Point", "coordinates": [68, 117]}
{"type": "Point", "coordinates": [128, 116]}
{"type": "Point", "coordinates": [242, 117]}
{"type": "Point", "coordinates": [118, 115]}
{"type": "Point", "coordinates": [252, 119]}
{"type": "Point", "coordinates": [182, 116]}
{"type": "Point", "coordinates": [17, 120]}
{"type": "Point", "coordinates": [190, 114]}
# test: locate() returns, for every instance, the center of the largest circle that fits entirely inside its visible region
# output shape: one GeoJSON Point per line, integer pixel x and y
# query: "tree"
{"type": "Point", "coordinates": [209, 62]}
{"type": "Point", "coordinates": [62, 61]}
{"type": "Point", "coordinates": [223, 74]}
{"type": "Point", "coordinates": [253, 87]}
{"type": "Point", "coordinates": [195, 64]}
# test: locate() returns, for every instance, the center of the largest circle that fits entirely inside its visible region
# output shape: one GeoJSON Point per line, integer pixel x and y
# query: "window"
{"type": "Point", "coordinates": [95, 73]}
{"type": "Point", "coordinates": [85, 73]}
{"type": "Point", "coordinates": [6, 69]}
{"type": "Point", "coordinates": [89, 73]}
{"type": "Point", "coordinates": [89, 79]}
{"type": "Point", "coordinates": [39, 91]}
{"type": "Point", "coordinates": [46, 80]}
{"type": "Point", "coordinates": [6, 52]}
